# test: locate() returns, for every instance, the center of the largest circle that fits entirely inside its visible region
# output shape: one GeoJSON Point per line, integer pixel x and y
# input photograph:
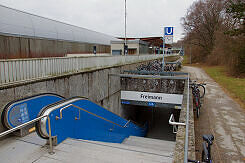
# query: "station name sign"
{"type": "Point", "coordinates": [152, 97]}
{"type": "Point", "coordinates": [149, 97]}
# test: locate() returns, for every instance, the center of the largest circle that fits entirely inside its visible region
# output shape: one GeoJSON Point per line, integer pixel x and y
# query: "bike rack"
{"type": "Point", "coordinates": [175, 124]}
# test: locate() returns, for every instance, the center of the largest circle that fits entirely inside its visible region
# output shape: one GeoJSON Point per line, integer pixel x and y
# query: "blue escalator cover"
{"type": "Point", "coordinates": [91, 122]}
{"type": "Point", "coordinates": [21, 111]}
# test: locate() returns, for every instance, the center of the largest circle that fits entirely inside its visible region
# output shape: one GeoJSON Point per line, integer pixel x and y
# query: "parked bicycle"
{"type": "Point", "coordinates": [197, 95]}
{"type": "Point", "coordinates": [170, 67]}
{"type": "Point", "coordinates": [206, 149]}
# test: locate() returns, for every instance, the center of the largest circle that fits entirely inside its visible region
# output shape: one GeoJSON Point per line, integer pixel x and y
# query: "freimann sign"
{"type": "Point", "coordinates": [152, 97]}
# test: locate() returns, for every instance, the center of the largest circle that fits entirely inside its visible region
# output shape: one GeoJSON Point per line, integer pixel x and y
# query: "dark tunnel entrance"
{"type": "Point", "coordinates": [152, 99]}
{"type": "Point", "coordinates": [157, 119]}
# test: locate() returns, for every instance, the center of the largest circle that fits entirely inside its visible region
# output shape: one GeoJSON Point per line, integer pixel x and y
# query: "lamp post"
{"type": "Point", "coordinates": [125, 23]}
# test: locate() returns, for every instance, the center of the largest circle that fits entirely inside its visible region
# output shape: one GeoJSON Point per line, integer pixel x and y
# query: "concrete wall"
{"type": "Point", "coordinates": [115, 46]}
{"type": "Point", "coordinates": [97, 85]}
{"type": "Point", "coordinates": [12, 47]}
{"type": "Point", "coordinates": [180, 136]}
{"type": "Point", "coordinates": [144, 49]}
{"type": "Point", "coordinates": [140, 48]}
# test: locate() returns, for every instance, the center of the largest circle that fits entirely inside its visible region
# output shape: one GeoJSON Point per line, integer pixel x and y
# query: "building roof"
{"type": "Point", "coordinates": [137, 41]}
{"type": "Point", "coordinates": [15, 22]}
{"type": "Point", "coordinates": [152, 41]}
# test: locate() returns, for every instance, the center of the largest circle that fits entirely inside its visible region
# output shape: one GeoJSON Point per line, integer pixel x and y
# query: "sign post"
{"type": "Point", "coordinates": [167, 39]}
{"type": "Point", "coordinates": [163, 49]}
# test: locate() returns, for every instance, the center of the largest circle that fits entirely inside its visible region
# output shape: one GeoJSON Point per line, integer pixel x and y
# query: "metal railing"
{"type": "Point", "coordinates": [187, 122]}
{"type": "Point", "coordinates": [149, 76]}
{"type": "Point", "coordinates": [28, 123]}
{"type": "Point", "coordinates": [19, 70]}
{"type": "Point", "coordinates": [171, 121]}
{"type": "Point", "coordinates": [166, 73]}
{"type": "Point", "coordinates": [61, 110]}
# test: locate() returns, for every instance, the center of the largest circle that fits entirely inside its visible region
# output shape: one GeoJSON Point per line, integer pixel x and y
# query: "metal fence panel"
{"type": "Point", "coordinates": [30, 69]}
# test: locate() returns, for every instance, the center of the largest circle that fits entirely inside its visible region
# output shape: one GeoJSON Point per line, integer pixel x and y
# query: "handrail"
{"type": "Point", "coordinates": [172, 122]}
{"type": "Point", "coordinates": [187, 122]}
{"type": "Point", "coordinates": [28, 123]}
{"type": "Point", "coordinates": [149, 76]}
{"type": "Point", "coordinates": [127, 123]}
{"type": "Point", "coordinates": [89, 113]}
{"type": "Point", "coordinates": [154, 72]}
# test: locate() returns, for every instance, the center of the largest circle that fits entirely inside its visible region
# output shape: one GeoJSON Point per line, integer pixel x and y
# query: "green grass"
{"type": "Point", "coordinates": [234, 86]}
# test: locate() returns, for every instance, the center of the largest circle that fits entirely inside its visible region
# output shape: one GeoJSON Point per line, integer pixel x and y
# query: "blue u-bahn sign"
{"type": "Point", "coordinates": [168, 31]}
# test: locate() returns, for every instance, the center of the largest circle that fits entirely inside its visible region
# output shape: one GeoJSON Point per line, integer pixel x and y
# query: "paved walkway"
{"type": "Point", "coordinates": [224, 118]}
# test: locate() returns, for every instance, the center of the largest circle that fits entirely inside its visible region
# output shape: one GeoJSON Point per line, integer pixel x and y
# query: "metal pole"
{"type": "Point", "coordinates": [125, 14]}
{"type": "Point", "coordinates": [150, 76]}
{"type": "Point", "coordinates": [187, 123]}
{"type": "Point", "coordinates": [50, 138]}
{"type": "Point", "coordinates": [163, 49]}
{"type": "Point", "coordinates": [190, 54]}
{"type": "Point", "coordinates": [20, 126]}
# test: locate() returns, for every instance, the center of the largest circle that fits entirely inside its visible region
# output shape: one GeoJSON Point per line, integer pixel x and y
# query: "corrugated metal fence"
{"type": "Point", "coordinates": [20, 70]}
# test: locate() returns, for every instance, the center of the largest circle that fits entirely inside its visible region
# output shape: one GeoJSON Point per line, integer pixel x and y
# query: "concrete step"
{"type": "Point", "coordinates": [149, 143]}
{"type": "Point", "coordinates": [72, 150]}
{"type": "Point", "coordinates": [123, 146]}
{"type": "Point", "coordinates": [26, 149]}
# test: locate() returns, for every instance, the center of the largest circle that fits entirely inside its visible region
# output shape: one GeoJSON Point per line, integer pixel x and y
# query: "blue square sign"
{"type": "Point", "coordinates": [169, 31]}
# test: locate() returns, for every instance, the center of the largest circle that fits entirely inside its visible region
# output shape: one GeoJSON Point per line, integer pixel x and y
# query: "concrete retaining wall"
{"type": "Point", "coordinates": [97, 84]}
{"type": "Point", "coordinates": [12, 47]}
{"type": "Point", "coordinates": [180, 136]}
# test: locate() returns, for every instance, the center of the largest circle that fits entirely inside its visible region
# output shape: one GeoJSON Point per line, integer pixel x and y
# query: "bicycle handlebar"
{"type": "Point", "coordinates": [208, 138]}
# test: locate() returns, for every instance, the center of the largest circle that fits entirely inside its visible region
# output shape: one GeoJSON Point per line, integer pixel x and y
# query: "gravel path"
{"type": "Point", "coordinates": [221, 116]}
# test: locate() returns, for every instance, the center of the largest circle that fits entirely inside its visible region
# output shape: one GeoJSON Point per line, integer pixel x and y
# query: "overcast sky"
{"type": "Point", "coordinates": [145, 18]}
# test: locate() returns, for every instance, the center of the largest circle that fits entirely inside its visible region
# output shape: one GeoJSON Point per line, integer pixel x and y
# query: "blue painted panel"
{"type": "Point", "coordinates": [92, 125]}
{"type": "Point", "coordinates": [22, 111]}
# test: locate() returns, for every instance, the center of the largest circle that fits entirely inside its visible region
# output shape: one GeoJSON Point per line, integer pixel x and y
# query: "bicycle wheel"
{"type": "Point", "coordinates": [202, 90]}
{"type": "Point", "coordinates": [203, 156]}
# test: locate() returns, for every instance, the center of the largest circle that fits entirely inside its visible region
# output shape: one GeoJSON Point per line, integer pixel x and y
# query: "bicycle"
{"type": "Point", "coordinates": [197, 95]}
{"type": "Point", "coordinates": [206, 151]}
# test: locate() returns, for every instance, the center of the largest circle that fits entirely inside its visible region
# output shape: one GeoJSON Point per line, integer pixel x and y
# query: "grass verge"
{"type": "Point", "coordinates": [234, 86]}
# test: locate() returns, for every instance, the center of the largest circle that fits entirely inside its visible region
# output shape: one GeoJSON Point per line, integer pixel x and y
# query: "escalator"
{"type": "Point", "coordinates": [23, 110]}
{"type": "Point", "coordinates": [80, 118]}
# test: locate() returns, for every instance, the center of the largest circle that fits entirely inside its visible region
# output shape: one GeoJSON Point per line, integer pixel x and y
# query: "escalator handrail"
{"type": "Point", "coordinates": [31, 122]}
{"type": "Point", "coordinates": [65, 107]}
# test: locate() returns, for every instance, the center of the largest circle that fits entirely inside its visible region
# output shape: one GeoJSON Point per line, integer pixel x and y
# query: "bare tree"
{"type": "Point", "coordinates": [201, 22]}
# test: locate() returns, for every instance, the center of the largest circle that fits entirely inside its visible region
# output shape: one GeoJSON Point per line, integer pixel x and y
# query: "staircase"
{"type": "Point", "coordinates": [133, 149]}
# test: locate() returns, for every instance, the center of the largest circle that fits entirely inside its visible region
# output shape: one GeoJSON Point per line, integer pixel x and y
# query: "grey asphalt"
{"type": "Point", "coordinates": [221, 116]}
